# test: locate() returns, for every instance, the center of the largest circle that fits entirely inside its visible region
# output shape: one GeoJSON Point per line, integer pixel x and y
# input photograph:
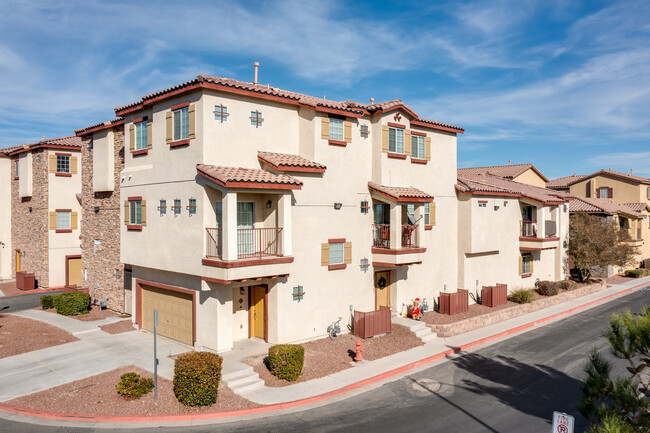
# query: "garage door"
{"type": "Point", "coordinates": [175, 313]}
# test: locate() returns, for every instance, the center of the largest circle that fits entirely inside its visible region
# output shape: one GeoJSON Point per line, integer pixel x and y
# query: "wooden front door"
{"type": "Point", "coordinates": [258, 311]}
{"type": "Point", "coordinates": [17, 261]}
{"type": "Point", "coordinates": [382, 289]}
{"type": "Point", "coordinates": [74, 272]}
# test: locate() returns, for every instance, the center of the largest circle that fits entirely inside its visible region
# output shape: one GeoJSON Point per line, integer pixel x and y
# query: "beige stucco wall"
{"type": "Point", "coordinates": [25, 182]}
{"type": "Point", "coordinates": [624, 192]}
{"type": "Point", "coordinates": [531, 178]}
{"type": "Point", "coordinates": [6, 251]}
{"type": "Point", "coordinates": [103, 161]}
{"type": "Point", "coordinates": [63, 192]}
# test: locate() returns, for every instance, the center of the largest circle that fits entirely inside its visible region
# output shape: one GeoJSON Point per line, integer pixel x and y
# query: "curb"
{"type": "Point", "coordinates": [27, 292]}
{"type": "Point", "coordinates": [309, 400]}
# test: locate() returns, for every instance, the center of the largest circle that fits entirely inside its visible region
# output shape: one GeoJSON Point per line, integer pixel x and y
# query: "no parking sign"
{"type": "Point", "coordinates": [562, 423]}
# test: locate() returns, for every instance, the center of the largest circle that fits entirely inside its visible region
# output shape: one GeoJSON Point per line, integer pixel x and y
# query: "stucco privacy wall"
{"type": "Point", "coordinates": [29, 216]}
{"type": "Point", "coordinates": [6, 250]}
{"type": "Point", "coordinates": [100, 230]}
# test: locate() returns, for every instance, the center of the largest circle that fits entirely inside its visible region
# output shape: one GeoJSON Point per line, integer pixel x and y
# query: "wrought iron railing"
{"type": "Point", "coordinates": [529, 229]}
{"type": "Point", "coordinates": [255, 242]}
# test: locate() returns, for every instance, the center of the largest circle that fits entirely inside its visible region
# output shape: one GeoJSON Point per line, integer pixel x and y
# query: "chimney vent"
{"type": "Point", "coordinates": [372, 100]}
{"type": "Point", "coordinates": [257, 65]}
{"type": "Point", "coordinates": [631, 171]}
{"type": "Point", "coordinates": [510, 162]}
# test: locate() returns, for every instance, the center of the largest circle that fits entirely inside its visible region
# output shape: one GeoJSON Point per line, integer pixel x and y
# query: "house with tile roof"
{"type": "Point", "coordinates": [562, 183]}
{"type": "Point", "coordinates": [255, 212]}
{"type": "Point", "coordinates": [509, 232]}
{"type": "Point", "coordinates": [45, 180]}
{"type": "Point", "coordinates": [522, 173]}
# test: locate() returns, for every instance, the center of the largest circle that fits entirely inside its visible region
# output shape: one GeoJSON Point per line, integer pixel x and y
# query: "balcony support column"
{"type": "Point", "coordinates": [541, 221]}
{"type": "Point", "coordinates": [419, 229]}
{"type": "Point", "coordinates": [395, 226]}
{"type": "Point", "coordinates": [284, 221]}
{"type": "Point", "coordinates": [229, 229]}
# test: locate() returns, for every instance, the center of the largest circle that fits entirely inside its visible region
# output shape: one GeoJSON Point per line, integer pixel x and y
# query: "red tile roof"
{"type": "Point", "coordinates": [238, 177]}
{"type": "Point", "coordinates": [506, 171]}
{"type": "Point", "coordinates": [487, 184]}
{"type": "Point", "coordinates": [70, 142]}
{"type": "Point", "coordinates": [564, 182]}
{"type": "Point", "coordinates": [639, 207]}
{"type": "Point", "coordinates": [7, 150]}
{"type": "Point", "coordinates": [616, 174]}
{"type": "Point", "coordinates": [401, 194]}
{"type": "Point", "coordinates": [606, 206]}
{"type": "Point", "coordinates": [291, 163]}
{"type": "Point", "coordinates": [98, 127]}
{"type": "Point", "coordinates": [349, 108]}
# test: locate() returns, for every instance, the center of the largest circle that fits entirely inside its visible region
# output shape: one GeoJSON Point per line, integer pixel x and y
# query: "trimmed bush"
{"type": "Point", "coordinates": [568, 284]}
{"type": "Point", "coordinates": [522, 296]}
{"type": "Point", "coordinates": [635, 273]}
{"type": "Point", "coordinates": [196, 378]}
{"type": "Point", "coordinates": [547, 288]}
{"type": "Point", "coordinates": [286, 361]}
{"type": "Point", "coordinates": [47, 302]}
{"type": "Point", "coordinates": [72, 303]}
{"type": "Point", "coordinates": [132, 386]}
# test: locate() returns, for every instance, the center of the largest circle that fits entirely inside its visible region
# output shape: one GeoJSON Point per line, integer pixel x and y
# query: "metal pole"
{"type": "Point", "coordinates": [155, 359]}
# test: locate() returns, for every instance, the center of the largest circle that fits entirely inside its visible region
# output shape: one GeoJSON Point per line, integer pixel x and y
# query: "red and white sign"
{"type": "Point", "coordinates": [562, 423]}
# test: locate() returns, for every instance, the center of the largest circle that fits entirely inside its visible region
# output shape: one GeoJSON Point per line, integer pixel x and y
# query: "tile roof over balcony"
{"type": "Point", "coordinates": [250, 178]}
{"type": "Point", "coordinates": [290, 163]}
{"type": "Point", "coordinates": [70, 142]}
{"type": "Point", "coordinates": [505, 171]}
{"type": "Point", "coordinates": [401, 194]}
{"type": "Point", "coordinates": [607, 206]}
{"type": "Point", "coordinates": [486, 184]}
{"type": "Point", "coordinates": [564, 182]}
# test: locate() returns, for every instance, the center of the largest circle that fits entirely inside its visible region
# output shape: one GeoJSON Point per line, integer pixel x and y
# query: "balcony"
{"type": "Point", "coordinates": [381, 236]}
{"type": "Point", "coordinates": [528, 229]}
{"type": "Point", "coordinates": [384, 255]}
{"type": "Point", "coordinates": [251, 243]}
{"type": "Point", "coordinates": [530, 241]}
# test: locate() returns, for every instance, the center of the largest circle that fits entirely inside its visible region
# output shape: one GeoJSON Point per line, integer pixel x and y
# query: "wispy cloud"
{"type": "Point", "coordinates": [622, 161]}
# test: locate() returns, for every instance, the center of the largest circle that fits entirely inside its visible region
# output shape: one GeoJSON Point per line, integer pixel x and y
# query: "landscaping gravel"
{"type": "Point", "coordinates": [20, 335]}
{"type": "Point", "coordinates": [324, 357]}
{"type": "Point", "coordinates": [118, 327]}
{"type": "Point", "coordinates": [96, 395]}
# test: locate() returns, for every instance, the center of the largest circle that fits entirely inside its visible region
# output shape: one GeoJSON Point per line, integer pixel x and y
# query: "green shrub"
{"type": "Point", "coordinates": [547, 288]}
{"type": "Point", "coordinates": [286, 361]}
{"type": "Point", "coordinates": [635, 273]}
{"type": "Point", "coordinates": [132, 386]}
{"type": "Point", "coordinates": [522, 296]}
{"type": "Point", "coordinates": [47, 302]}
{"type": "Point", "coordinates": [568, 284]}
{"type": "Point", "coordinates": [196, 378]}
{"type": "Point", "coordinates": [72, 303]}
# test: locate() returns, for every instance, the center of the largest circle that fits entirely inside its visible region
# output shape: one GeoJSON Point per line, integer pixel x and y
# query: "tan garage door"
{"type": "Point", "coordinates": [175, 313]}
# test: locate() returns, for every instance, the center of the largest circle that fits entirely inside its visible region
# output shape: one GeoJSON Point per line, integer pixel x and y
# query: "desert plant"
{"type": "Point", "coordinates": [547, 288]}
{"type": "Point", "coordinates": [522, 296]}
{"type": "Point", "coordinates": [72, 303]}
{"type": "Point", "coordinates": [635, 273]}
{"type": "Point", "coordinates": [286, 361]}
{"type": "Point", "coordinates": [476, 298]}
{"type": "Point", "coordinates": [132, 386]}
{"type": "Point", "coordinates": [568, 284]}
{"type": "Point", "coordinates": [47, 302]}
{"type": "Point", "coordinates": [196, 378]}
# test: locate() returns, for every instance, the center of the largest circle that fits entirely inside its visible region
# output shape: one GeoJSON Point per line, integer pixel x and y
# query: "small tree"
{"type": "Point", "coordinates": [597, 241]}
{"type": "Point", "coordinates": [625, 399]}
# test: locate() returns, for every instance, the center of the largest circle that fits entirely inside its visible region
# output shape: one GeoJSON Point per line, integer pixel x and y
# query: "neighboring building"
{"type": "Point", "coordinates": [626, 189]}
{"type": "Point", "coordinates": [6, 252]}
{"type": "Point", "coordinates": [562, 183]}
{"type": "Point", "coordinates": [102, 160]}
{"type": "Point", "coordinates": [250, 211]}
{"type": "Point", "coordinates": [522, 173]}
{"type": "Point", "coordinates": [509, 232]}
{"type": "Point", "coordinates": [45, 211]}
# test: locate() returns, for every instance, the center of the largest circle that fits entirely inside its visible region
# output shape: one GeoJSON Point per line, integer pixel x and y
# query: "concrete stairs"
{"type": "Point", "coordinates": [418, 328]}
{"type": "Point", "coordinates": [241, 378]}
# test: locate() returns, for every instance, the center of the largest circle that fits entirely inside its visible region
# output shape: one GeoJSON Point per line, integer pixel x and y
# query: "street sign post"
{"type": "Point", "coordinates": [155, 359]}
{"type": "Point", "coordinates": [562, 423]}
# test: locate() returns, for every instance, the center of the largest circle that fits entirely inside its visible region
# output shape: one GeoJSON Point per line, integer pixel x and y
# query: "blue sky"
{"type": "Point", "coordinates": [562, 84]}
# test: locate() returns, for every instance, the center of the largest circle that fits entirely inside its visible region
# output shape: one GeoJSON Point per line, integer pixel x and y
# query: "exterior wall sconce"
{"type": "Point", "coordinates": [268, 204]}
{"type": "Point", "coordinates": [496, 207]}
{"type": "Point", "coordinates": [444, 287]}
{"type": "Point", "coordinates": [338, 206]}
{"type": "Point", "coordinates": [96, 208]}
{"type": "Point", "coordinates": [30, 208]}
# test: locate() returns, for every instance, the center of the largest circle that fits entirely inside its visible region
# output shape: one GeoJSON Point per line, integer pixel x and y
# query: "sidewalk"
{"type": "Point", "coordinates": [98, 352]}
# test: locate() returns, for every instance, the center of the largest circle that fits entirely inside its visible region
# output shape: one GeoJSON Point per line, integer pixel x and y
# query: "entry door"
{"type": "Point", "coordinates": [382, 289]}
{"type": "Point", "coordinates": [257, 311]}
{"type": "Point", "coordinates": [245, 224]}
{"type": "Point", "coordinates": [17, 261]}
{"type": "Point", "coordinates": [74, 272]}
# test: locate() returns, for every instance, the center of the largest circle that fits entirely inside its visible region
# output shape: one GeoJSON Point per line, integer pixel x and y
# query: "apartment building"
{"type": "Point", "coordinates": [102, 160]}
{"type": "Point", "coordinates": [633, 192]}
{"type": "Point", "coordinates": [522, 173]}
{"type": "Point", "coordinates": [509, 232]}
{"type": "Point", "coordinates": [45, 209]}
{"type": "Point", "coordinates": [251, 211]}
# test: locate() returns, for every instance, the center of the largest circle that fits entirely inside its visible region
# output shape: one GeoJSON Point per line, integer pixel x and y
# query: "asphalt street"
{"type": "Point", "coordinates": [511, 386]}
{"type": "Point", "coordinates": [9, 304]}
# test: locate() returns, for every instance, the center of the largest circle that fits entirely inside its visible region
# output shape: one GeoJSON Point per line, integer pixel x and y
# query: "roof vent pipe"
{"type": "Point", "coordinates": [631, 171]}
{"type": "Point", "coordinates": [372, 100]}
{"type": "Point", "coordinates": [510, 162]}
{"type": "Point", "coordinates": [257, 65]}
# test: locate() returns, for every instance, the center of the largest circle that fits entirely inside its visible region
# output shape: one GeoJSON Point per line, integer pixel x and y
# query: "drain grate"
{"type": "Point", "coordinates": [426, 384]}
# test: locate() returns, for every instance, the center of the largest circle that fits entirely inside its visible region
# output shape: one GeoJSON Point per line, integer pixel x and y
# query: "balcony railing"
{"type": "Point", "coordinates": [381, 236]}
{"type": "Point", "coordinates": [251, 243]}
{"type": "Point", "coordinates": [529, 229]}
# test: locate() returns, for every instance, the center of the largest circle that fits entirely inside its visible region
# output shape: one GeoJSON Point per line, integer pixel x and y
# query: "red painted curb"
{"type": "Point", "coordinates": [308, 400]}
{"type": "Point", "coordinates": [27, 292]}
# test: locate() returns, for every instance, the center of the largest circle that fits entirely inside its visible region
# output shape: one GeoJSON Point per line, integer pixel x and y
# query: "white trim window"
{"type": "Point", "coordinates": [181, 124]}
{"type": "Point", "coordinates": [63, 220]}
{"type": "Point", "coordinates": [140, 135]}
{"type": "Point", "coordinates": [62, 164]}
{"type": "Point", "coordinates": [336, 129]}
{"type": "Point", "coordinates": [525, 263]}
{"type": "Point", "coordinates": [395, 140]}
{"type": "Point", "coordinates": [417, 147]}
{"type": "Point", "coordinates": [603, 192]}
{"type": "Point", "coordinates": [336, 253]}
{"type": "Point", "coordinates": [177, 207]}
{"type": "Point", "coordinates": [135, 211]}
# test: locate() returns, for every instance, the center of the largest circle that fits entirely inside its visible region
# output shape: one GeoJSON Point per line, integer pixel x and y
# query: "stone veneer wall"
{"type": "Point", "coordinates": [101, 260]}
{"type": "Point", "coordinates": [29, 230]}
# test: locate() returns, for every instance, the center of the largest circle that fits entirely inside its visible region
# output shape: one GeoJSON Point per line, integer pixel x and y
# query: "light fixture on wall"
{"type": "Point", "coordinates": [30, 208]}
{"type": "Point", "coordinates": [496, 207]}
{"type": "Point", "coordinates": [96, 208]}
{"type": "Point", "coordinates": [338, 206]}
{"type": "Point", "coordinates": [268, 204]}
{"type": "Point", "coordinates": [444, 287]}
